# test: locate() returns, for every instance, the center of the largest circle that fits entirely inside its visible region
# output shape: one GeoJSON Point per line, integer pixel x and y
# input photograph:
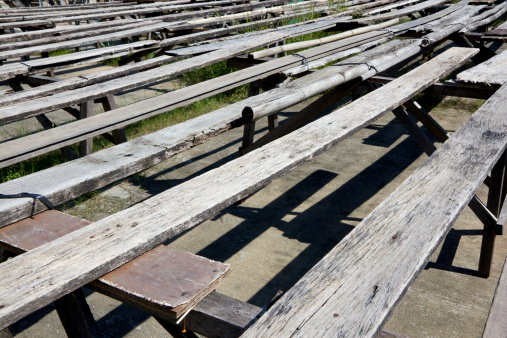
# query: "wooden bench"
{"type": "Point", "coordinates": [152, 282]}
{"type": "Point", "coordinates": [125, 235]}
{"type": "Point", "coordinates": [353, 290]}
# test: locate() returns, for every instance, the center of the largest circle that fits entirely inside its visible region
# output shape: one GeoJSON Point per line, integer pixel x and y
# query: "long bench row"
{"type": "Point", "coordinates": [241, 177]}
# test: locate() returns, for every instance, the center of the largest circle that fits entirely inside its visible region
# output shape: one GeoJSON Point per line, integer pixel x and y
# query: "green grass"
{"type": "Point", "coordinates": [60, 52]}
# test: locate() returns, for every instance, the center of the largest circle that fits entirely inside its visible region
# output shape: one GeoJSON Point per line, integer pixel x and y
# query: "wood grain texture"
{"type": "Point", "coordinates": [52, 270]}
{"type": "Point", "coordinates": [401, 12]}
{"type": "Point", "coordinates": [364, 276]}
{"type": "Point", "coordinates": [496, 325]}
{"type": "Point", "coordinates": [493, 71]}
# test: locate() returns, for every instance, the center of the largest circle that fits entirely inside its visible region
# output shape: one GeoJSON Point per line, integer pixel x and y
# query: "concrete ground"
{"type": "Point", "coordinates": [279, 233]}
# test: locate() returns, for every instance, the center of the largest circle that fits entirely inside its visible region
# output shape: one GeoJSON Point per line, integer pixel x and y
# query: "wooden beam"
{"type": "Point", "coordinates": [473, 91]}
{"type": "Point", "coordinates": [86, 146]}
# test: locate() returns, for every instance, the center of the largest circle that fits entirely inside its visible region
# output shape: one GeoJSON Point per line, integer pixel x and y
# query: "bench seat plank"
{"type": "Point", "coordinates": [496, 325]}
{"type": "Point", "coordinates": [352, 290]}
{"type": "Point", "coordinates": [493, 71]}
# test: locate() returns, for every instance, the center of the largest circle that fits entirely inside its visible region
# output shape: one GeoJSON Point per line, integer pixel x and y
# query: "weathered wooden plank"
{"type": "Point", "coordinates": [62, 267]}
{"type": "Point", "coordinates": [84, 41]}
{"type": "Point", "coordinates": [154, 11]}
{"type": "Point", "coordinates": [449, 88]}
{"type": "Point", "coordinates": [321, 41]}
{"type": "Point", "coordinates": [45, 104]}
{"type": "Point", "coordinates": [496, 325]}
{"type": "Point", "coordinates": [36, 144]}
{"type": "Point", "coordinates": [64, 61]}
{"type": "Point", "coordinates": [420, 22]}
{"type": "Point", "coordinates": [136, 80]}
{"type": "Point", "coordinates": [87, 174]}
{"type": "Point", "coordinates": [43, 13]}
{"type": "Point", "coordinates": [97, 55]}
{"type": "Point", "coordinates": [401, 12]}
{"type": "Point", "coordinates": [393, 5]}
{"type": "Point", "coordinates": [485, 18]}
{"type": "Point", "coordinates": [297, 30]}
{"type": "Point", "coordinates": [74, 36]}
{"type": "Point", "coordinates": [80, 81]}
{"type": "Point", "coordinates": [417, 215]}
{"type": "Point", "coordinates": [61, 30]}
{"type": "Point", "coordinates": [490, 72]}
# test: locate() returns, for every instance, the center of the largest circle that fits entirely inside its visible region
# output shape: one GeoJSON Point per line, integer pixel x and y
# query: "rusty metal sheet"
{"type": "Point", "coordinates": [168, 277]}
{"type": "Point", "coordinates": [39, 229]}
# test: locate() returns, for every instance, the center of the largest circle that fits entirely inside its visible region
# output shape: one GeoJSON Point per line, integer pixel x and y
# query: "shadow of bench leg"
{"type": "Point", "coordinates": [76, 316]}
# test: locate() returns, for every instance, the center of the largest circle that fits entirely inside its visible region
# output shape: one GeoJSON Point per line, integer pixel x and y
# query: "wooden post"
{"type": "Point", "coordinates": [494, 197]}
{"type": "Point", "coordinates": [49, 72]}
{"type": "Point", "coordinates": [249, 128]}
{"type": "Point", "coordinates": [119, 135]}
{"type": "Point", "coordinates": [310, 111]}
{"type": "Point", "coordinates": [76, 316]}
{"type": "Point", "coordinates": [414, 130]}
{"type": "Point", "coordinates": [85, 147]}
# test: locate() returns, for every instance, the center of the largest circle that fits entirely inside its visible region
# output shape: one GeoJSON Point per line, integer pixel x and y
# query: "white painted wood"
{"type": "Point", "coordinates": [38, 277]}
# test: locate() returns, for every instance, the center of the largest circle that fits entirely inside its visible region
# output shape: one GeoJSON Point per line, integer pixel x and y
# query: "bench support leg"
{"type": "Point", "coordinates": [414, 130]}
{"type": "Point", "coordinates": [494, 197]}
{"type": "Point", "coordinates": [486, 214]}
{"type": "Point", "coordinates": [119, 135]}
{"type": "Point", "coordinates": [46, 123]}
{"type": "Point", "coordinates": [484, 53]}
{"type": "Point", "coordinates": [76, 316]}
{"type": "Point", "coordinates": [249, 128]}
{"type": "Point", "coordinates": [85, 146]}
